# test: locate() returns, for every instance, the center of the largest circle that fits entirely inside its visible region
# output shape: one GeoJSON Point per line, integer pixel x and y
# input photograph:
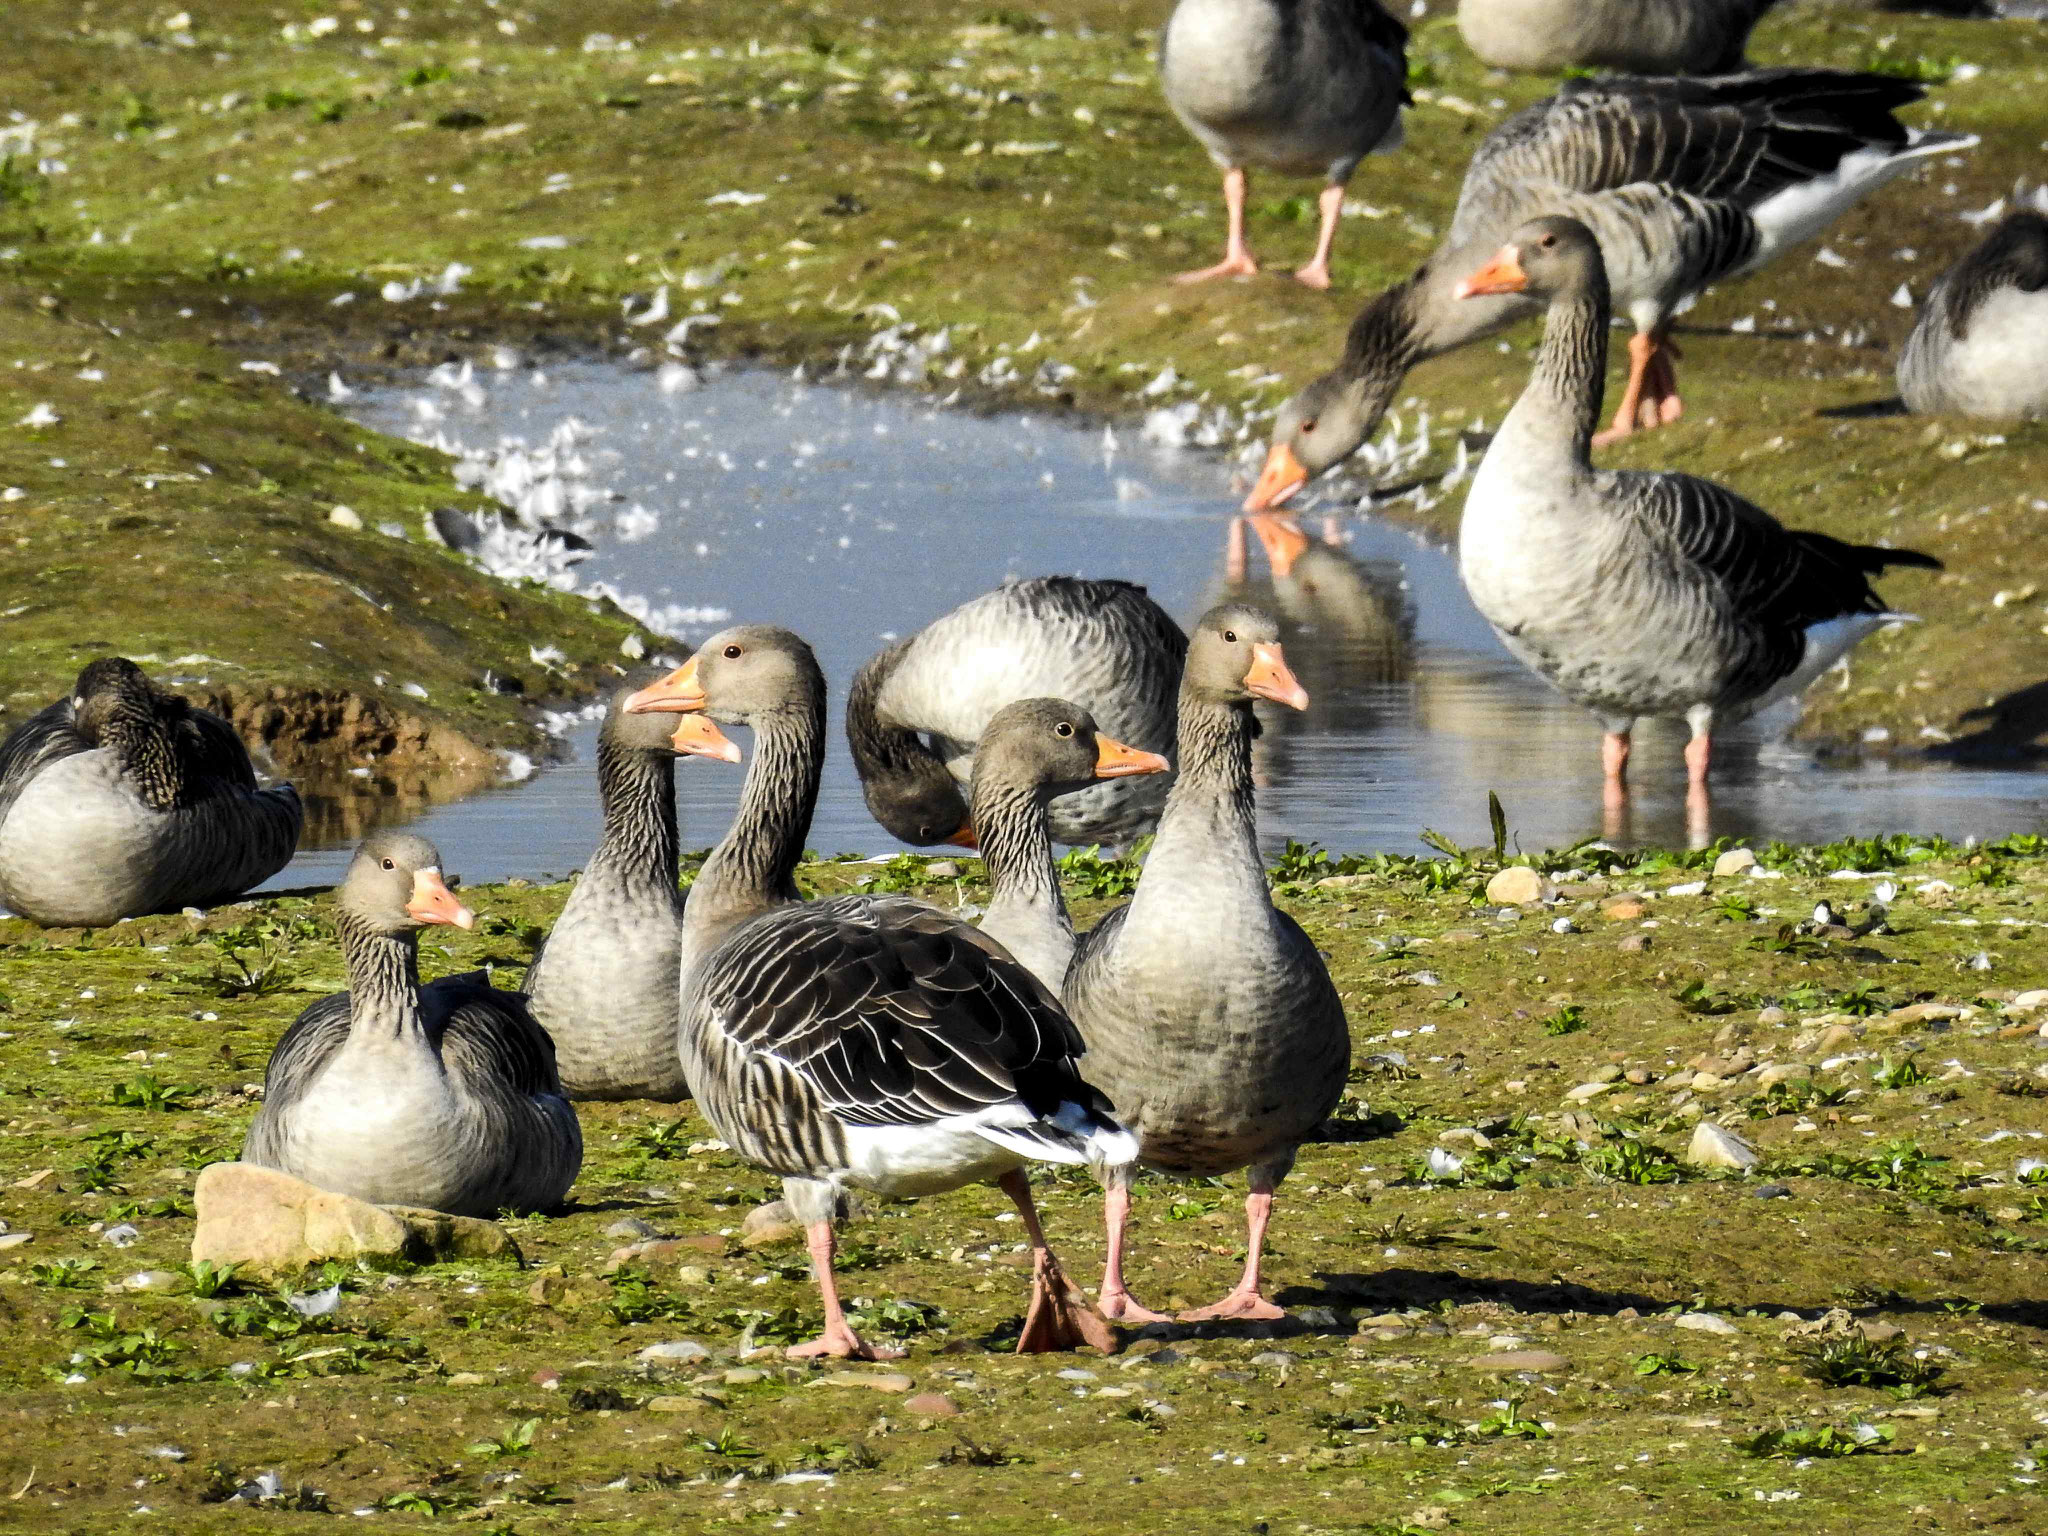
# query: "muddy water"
{"type": "Point", "coordinates": [853, 517]}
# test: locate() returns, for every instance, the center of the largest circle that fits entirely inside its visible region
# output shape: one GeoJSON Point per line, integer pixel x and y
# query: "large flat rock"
{"type": "Point", "coordinates": [270, 1223]}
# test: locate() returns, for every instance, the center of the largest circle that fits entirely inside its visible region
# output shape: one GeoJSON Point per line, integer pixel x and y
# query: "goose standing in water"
{"type": "Point", "coordinates": [1980, 344]}
{"type": "Point", "coordinates": [604, 983]}
{"type": "Point", "coordinates": [1683, 182]}
{"type": "Point", "coordinates": [1644, 37]}
{"type": "Point", "coordinates": [1306, 87]}
{"type": "Point", "coordinates": [444, 1095]}
{"type": "Point", "coordinates": [864, 1041]}
{"type": "Point", "coordinates": [1210, 1019]}
{"type": "Point", "coordinates": [123, 799]}
{"type": "Point", "coordinates": [1103, 644]}
{"type": "Point", "coordinates": [1640, 593]}
{"type": "Point", "coordinates": [1032, 751]}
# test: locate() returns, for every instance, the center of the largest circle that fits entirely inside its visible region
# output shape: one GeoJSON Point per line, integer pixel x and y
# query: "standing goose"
{"type": "Point", "coordinates": [1980, 345]}
{"type": "Point", "coordinates": [1210, 1019]}
{"type": "Point", "coordinates": [124, 799]}
{"type": "Point", "coordinates": [1103, 644]}
{"type": "Point", "coordinates": [1640, 593]}
{"type": "Point", "coordinates": [1033, 750]}
{"type": "Point", "coordinates": [444, 1095]}
{"type": "Point", "coordinates": [604, 983]}
{"type": "Point", "coordinates": [867, 1041]}
{"type": "Point", "coordinates": [1646, 37]}
{"type": "Point", "coordinates": [1306, 87]}
{"type": "Point", "coordinates": [1683, 182]}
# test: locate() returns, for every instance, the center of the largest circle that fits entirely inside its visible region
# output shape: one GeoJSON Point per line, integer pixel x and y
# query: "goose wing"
{"type": "Point", "coordinates": [486, 1035]}
{"type": "Point", "coordinates": [211, 751]}
{"type": "Point", "coordinates": [889, 1012]}
{"type": "Point", "coordinates": [1738, 138]}
{"type": "Point", "coordinates": [44, 738]}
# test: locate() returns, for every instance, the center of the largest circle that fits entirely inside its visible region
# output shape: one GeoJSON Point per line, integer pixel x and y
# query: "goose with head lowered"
{"type": "Point", "coordinates": [917, 708]}
{"type": "Point", "coordinates": [604, 983]}
{"type": "Point", "coordinates": [1980, 345]}
{"type": "Point", "coordinates": [1033, 750]}
{"type": "Point", "coordinates": [1640, 593]}
{"type": "Point", "coordinates": [122, 798]}
{"type": "Point", "coordinates": [1210, 1019]}
{"type": "Point", "coordinates": [1683, 182]}
{"type": "Point", "coordinates": [1308, 87]}
{"type": "Point", "coordinates": [867, 1042]}
{"type": "Point", "coordinates": [1645, 37]}
{"type": "Point", "coordinates": [441, 1095]}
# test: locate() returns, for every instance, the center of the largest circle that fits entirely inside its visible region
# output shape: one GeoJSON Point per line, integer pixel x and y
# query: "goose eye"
{"type": "Point", "coordinates": [732, 653]}
{"type": "Point", "coordinates": [389, 865]}
{"type": "Point", "coordinates": [1547, 241]}
{"type": "Point", "coordinates": [1064, 728]}
{"type": "Point", "coordinates": [1308, 427]}
{"type": "Point", "coordinates": [1230, 637]}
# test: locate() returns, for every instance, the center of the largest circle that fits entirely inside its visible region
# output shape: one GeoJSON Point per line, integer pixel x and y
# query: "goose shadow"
{"type": "Point", "coordinates": [1396, 1289]}
{"type": "Point", "coordinates": [1864, 410]}
{"type": "Point", "coordinates": [2013, 729]}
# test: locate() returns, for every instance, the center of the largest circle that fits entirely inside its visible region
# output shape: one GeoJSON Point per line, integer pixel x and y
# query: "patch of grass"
{"type": "Point", "coordinates": [965, 1452]}
{"type": "Point", "coordinates": [1850, 1360]}
{"type": "Point", "coordinates": [1634, 1162]}
{"type": "Point", "coordinates": [1821, 1443]}
{"type": "Point", "coordinates": [1905, 1073]}
{"type": "Point", "coordinates": [1568, 1020]}
{"type": "Point", "coordinates": [1665, 1365]}
{"type": "Point", "coordinates": [516, 1441]}
{"type": "Point", "coordinates": [146, 1092]}
{"type": "Point", "coordinates": [1093, 876]}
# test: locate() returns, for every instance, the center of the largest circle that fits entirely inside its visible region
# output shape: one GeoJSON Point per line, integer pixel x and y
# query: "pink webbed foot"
{"type": "Point", "coordinates": [1315, 275]}
{"type": "Point", "coordinates": [1123, 1307]}
{"type": "Point", "coordinates": [1239, 1304]}
{"type": "Point", "coordinates": [1241, 264]}
{"type": "Point", "coordinates": [1060, 1318]}
{"type": "Point", "coordinates": [842, 1343]}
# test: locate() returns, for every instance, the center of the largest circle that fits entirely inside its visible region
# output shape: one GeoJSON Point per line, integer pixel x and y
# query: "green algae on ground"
{"type": "Point", "coordinates": [1411, 1390]}
{"type": "Point", "coordinates": [1011, 177]}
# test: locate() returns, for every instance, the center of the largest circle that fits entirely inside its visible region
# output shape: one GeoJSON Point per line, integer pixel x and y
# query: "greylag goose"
{"type": "Point", "coordinates": [123, 799]}
{"type": "Point", "coordinates": [1344, 613]}
{"type": "Point", "coordinates": [1033, 750]}
{"type": "Point", "coordinates": [444, 1095]}
{"type": "Point", "coordinates": [1210, 1019]}
{"type": "Point", "coordinates": [1645, 37]}
{"type": "Point", "coordinates": [867, 1041]}
{"type": "Point", "coordinates": [1103, 644]}
{"type": "Point", "coordinates": [1305, 87]}
{"type": "Point", "coordinates": [604, 983]}
{"type": "Point", "coordinates": [1684, 182]}
{"type": "Point", "coordinates": [1640, 593]}
{"type": "Point", "coordinates": [1980, 344]}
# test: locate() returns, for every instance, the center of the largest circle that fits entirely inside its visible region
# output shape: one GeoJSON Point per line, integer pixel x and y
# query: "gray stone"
{"type": "Point", "coordinates": [632, 1226]}
{"type": "Point", "coordinates": [1538, 1360]}
{"type": "Point", "coordinates": [1735, 861]}
{"type": "Point", "coordinates": [1715, 1146]}
{"type": "Point", "coordinates": [1773, 1192]}
{"type": "Point", "coordinates": [674, 1352]}
{"type": "Point", "coordinates": [1705, 1322]}
{"type": "Point", "coordinates": [271, 1224]}
{"type": "Point", "coordinates": [1519, 886]}
{"type": "Point", "coordinates": [768, 1224]}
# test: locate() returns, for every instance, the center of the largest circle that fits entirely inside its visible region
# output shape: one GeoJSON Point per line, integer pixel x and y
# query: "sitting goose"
{"type": "Point", "coordinates": [1980, 345]}
{"type": "Point", "coordinates": [1210, 1019]}
{"type": "Point", "coordinates": [867, 1041]}
{"type": "Point", "coordinates": [124, 799]}
{"type": "Point", "coordinates": [1103, 644]}
{"type": "Point", "coordinates": [444, 1095]}
{"type": "Point", "coordinates": [604, 983]}
{"type": "Point", "coordinates": [1645, 37]}
{"type": "Point", "coordinates": [1684, 182]}
{"type": "Point", "coordinates": [1307, 87]}
{"type": "Point", "coordinates": [1640, 593]}
{"type": "Point", "coordinates": [1033, 750]}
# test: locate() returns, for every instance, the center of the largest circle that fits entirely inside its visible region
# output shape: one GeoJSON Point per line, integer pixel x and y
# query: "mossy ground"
{"type": "Point", "coordinates": [1010, 175]}
{"type": "Point", "coordinates": [125, 1054]}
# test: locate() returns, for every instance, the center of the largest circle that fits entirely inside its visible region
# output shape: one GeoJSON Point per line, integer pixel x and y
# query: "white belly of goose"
{"type": "Point", "coordinates": [2000, 367]}
{"type": "Point", "coordinates": [383, 1132]}
{"type": "Point", "coordinates": [110, 839]}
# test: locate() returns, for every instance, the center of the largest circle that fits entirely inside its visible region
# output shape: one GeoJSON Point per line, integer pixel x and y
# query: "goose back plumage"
{"type": "Point", "coordinates": [923, 703]}
{"type": "Point", "coordinates": [1979, 346]}
{"type": "Point", "coordinates": [122, 799]}
{"type": "Point", "coordinates": [1655, 37]}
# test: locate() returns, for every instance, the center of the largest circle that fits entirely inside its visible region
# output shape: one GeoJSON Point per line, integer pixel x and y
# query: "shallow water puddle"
{"type": "Point", "coordinates": [853, 517]}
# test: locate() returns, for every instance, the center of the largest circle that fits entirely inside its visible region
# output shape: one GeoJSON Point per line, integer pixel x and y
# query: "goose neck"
{"type": "Point", "coordinates": [1559, 411]}
{"type": "Point", "coordinates": [141, 743]}
{"type": "Point", "coordinates": [1016, 848]}
{"type": "Point", "coordinates": [641, 837]}
{"type": "Point", "coordinates": [755, 867]}
{"type": "Point", "coordinates": [1211, 812]}
{"type": "Point", "coordinates": [383, 980]}
{"type": "Point", "coordinates": [881, 748]}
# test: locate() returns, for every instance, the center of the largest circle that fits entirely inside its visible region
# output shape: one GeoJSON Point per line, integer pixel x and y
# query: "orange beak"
{"type": "Point", "coordinates": [433, 902]}
{"type": "Point", "coordinates": [696, 736]}
{"type": "Point", "coordinates": [678, 693]}
{"type": "Point", "coordinates": [1280, 479]}
{"type": "Point", "coordinates": [1270, 679]}
{"type": "Point", "coordinates": [1503, 274]}
{"type": "Point", "coordinates": [1114, 760]}
{"type": "Point", "coordinates": [964, 836]}
{"type": "Point", "coordinates": [1283, 539]}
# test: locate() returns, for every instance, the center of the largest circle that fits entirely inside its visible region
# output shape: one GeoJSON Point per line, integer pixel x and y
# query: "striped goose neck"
{"type": "Point", "coordinates": [1213, 781]}
{"type": "Point", "coordinates": [1570, 381]}
{"type": "Point", "coordinates": [141, 742]}
{"type": "Point", "coordinates": [383, 978]}
{"type": "Point", "coordinates": [1009, 820]}
{"type": "Point", "coordinates": [1385, 340]}
{"type": "Point", "coordinates": [641, 838]}
{"type": "Point", "coordinates": [891, 749]}
{"type": "Point", "coordinates": [755, 867]}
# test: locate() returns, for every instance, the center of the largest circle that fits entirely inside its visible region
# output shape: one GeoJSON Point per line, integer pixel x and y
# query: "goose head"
{"type": "Point", "coordinates": [921, 806]}
{"type": "Point", "coordinates": [112, 688]}
{"type": "Point", "coordinates": [637, 732]}
{"type": "Point", "coordinates": [1054, 747]}
{"type": "Point", "coordinates": [1323, 425]}
{"type": "Point", "coordinates": [1542, 259]}
{"type": "Point", "coordinates": [1234, 656]}
{"type": "Point", "coordinates": [1283, 541]}
{"type": "Point", "coordinates": [394, 885]}
{"type": "Point", "coordinates": [750, 674]}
